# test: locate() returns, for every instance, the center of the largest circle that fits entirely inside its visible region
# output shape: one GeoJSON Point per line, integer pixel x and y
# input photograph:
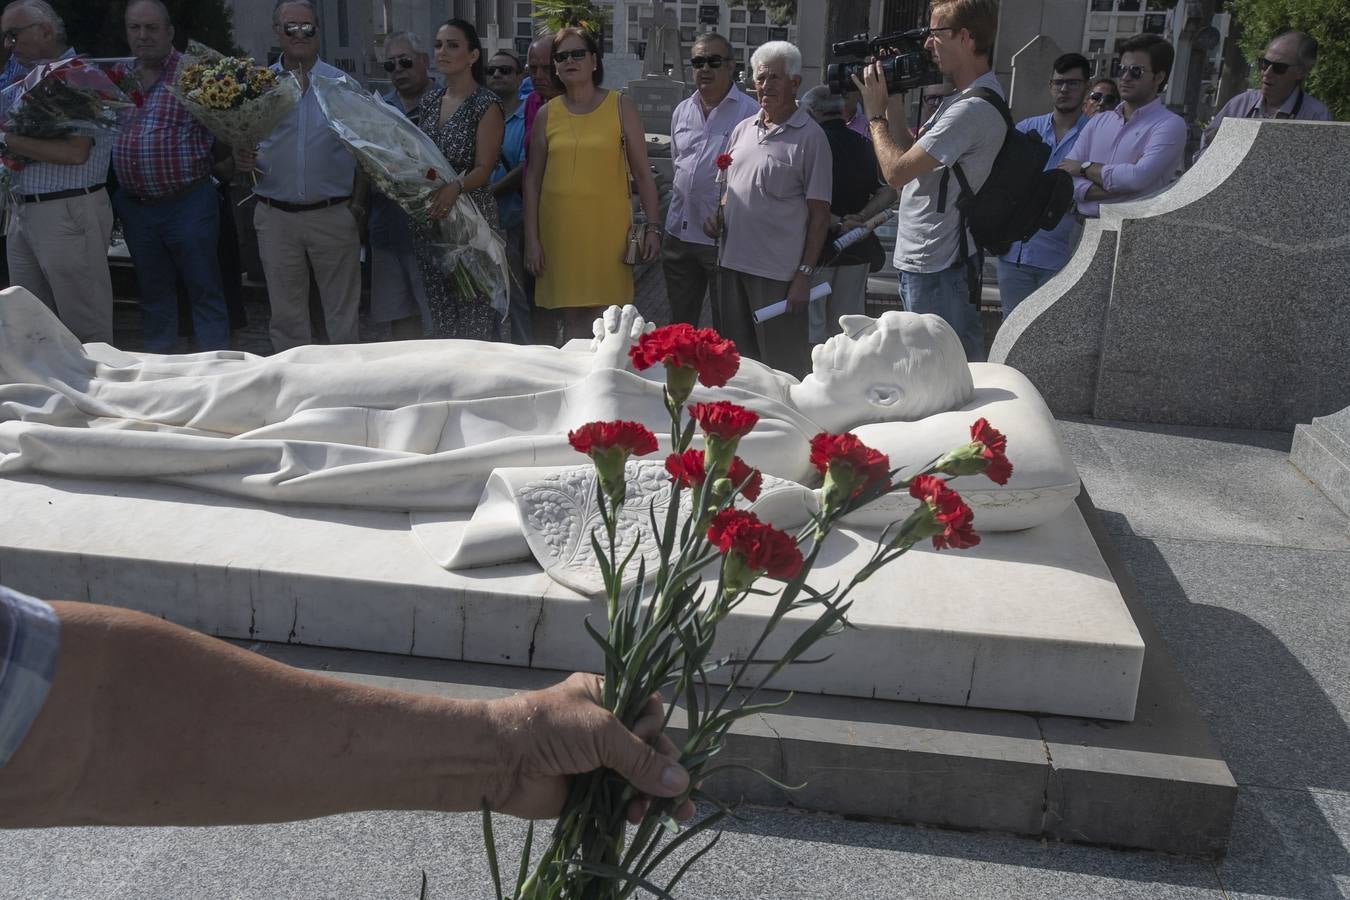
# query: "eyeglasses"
{"type": "Point", "coordinates": [500, 70]}
{"type": "Point", "coordinates": [933, 101]}
{"type": "Point", "coordinates": [712, 62]}
{"type": "Point", "coordinates": [1135, 72]}
{"type": "Point", "coordinates": [1280, 68]}
{"type": "Point", "coordinates": [563, 56]}
{"type": "Point", "coordinates": [1065, 84]}
{"type": "Point", "coordinates": [1103, 99]}
{"type": "Point", "coordinates": [304, 29]}
{"type": "Point", "coordinates": [942, 28]}
{"type": "Point", "coordinates": [12, 34]}
{"type": "Point", "coordinates": [403, 62]}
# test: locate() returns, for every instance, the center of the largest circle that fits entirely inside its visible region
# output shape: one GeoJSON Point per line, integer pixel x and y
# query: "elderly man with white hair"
{"type": "Point", "coordinates": [1285, 65]}
{"type": "Point", "coordinates": [859, 194]}
{"type": "Point", "coordinates": [61, 222]}
{"type": "Point", "coordinates": [775, 213]}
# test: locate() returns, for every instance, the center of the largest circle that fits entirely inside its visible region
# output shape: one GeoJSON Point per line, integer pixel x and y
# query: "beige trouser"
{"type": "Point", "coordinates": [848, 297]}
{"type": "Point", "coordinates": [289, 244]}
{"type": "Point", "coordinates": [58, 249]}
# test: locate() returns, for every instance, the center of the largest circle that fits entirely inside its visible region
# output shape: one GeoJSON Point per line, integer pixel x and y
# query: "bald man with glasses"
{"type": "Point", "coordinates": [699, 128]}
{"type": "Point", "coordinates": [1285, 65]}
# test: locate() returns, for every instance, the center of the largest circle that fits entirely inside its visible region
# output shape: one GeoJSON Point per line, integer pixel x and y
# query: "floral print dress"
{"type": "Point", "coordinates": [454, 315]}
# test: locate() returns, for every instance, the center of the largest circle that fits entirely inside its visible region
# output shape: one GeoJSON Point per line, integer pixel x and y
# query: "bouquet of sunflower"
{"type": "Point", "coordinates": [238, 102]}
{"type": "Point", "coordinates": [407, 167]}
{"type": "Point", "coordinates": [58, 99]}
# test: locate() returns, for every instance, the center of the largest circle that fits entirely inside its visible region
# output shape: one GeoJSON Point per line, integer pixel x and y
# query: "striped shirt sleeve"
{"type": "Point", "coordinates": [29, 637]}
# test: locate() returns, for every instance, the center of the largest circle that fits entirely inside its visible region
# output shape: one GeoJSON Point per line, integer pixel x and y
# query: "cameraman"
{"type": "Point", "coordinates": [965, 129]}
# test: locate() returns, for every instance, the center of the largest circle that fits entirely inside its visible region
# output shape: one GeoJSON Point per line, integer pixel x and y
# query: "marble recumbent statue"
{"type": "Point", "coordinates": [422, 426]}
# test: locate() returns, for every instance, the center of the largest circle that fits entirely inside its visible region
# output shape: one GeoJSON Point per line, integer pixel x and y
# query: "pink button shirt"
{"type": "Point", "coordinates": [1139, 158]}
{"type": "Point", "coordinates": [774, 170]}
{"type": "Point", "coordinates": [695, 142]}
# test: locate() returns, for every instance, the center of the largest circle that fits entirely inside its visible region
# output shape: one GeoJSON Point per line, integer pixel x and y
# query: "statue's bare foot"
{"type": "Point", "coordinates": [614, 332]}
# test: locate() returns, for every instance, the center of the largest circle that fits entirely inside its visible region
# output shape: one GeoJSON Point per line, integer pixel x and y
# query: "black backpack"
{"type": "Point", "coordinates": [1018, 198]}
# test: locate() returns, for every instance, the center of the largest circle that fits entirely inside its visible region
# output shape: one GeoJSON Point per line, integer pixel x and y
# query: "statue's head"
{"type": "Point", "coordinates": [902, 366]}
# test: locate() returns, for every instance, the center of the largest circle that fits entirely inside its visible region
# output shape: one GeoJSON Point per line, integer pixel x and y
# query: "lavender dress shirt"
{"type": "Point", "coordinates": [695, 142]}
{"type": "Point", "coordinates": [1247, 105]}
{"type": "Point", "coordinates": [1139, 158]}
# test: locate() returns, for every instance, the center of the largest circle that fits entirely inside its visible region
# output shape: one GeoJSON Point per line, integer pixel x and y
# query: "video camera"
{"type": "Point", "coordinates": [905, 64]}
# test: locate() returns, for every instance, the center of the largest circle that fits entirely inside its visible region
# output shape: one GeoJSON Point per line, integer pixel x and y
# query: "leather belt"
{"type": "Point", "coordinates": [302, 207]}
{"type": "Point", "coordinates": [169, 197]}
{"type": "Point", "coordinates": [60, 195]}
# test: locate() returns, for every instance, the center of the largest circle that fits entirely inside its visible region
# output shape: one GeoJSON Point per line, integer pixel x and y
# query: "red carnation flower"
{"type": "Point", "coordinates": [999, 469]}
{"type": "Point", "coordinates": [431, 174]}
{"type": "Point", "coordinates": [952, 519]}
{"type": "Point", "coordinates": [631, 437]}
{"type": "Point", "coordinates": [703, 350]}
{"type": "Point", "coordinates": [749, 544]}
{"type": "Point", "coordinates": [723, 419]}
{"type": "Point", "coordinates": [687, 469]}
{"type": "Point", "coordinates": [723, 161]}
{"type": "Point", "coordinates": [848, 461]}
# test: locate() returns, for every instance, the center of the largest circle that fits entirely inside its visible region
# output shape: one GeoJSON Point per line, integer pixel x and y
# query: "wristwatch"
{"type": "Point", "coordinates": [806, 270]}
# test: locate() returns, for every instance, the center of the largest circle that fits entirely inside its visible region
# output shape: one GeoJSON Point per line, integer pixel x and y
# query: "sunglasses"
{"type": "Point", "coordinates": [1135, 72]}
{"type": "Point", "coordinates": [563, 56]}
{"type": "Point", "coordinates": [403, 62]}
{"type": "Point", "coordinates": [1103, 99]}
{"type": "Point", "coordinates": [500, 70]}
{"type": "Point", "coordinates": [712, 62]}
{"type": "Point", "coordinates": [1280, 68]}
{"type": "Point", "coordinates": [934, 100]}
{"type": "Point", "coordinates": [305, 29]}
{"type": "Point", "coordinates": [1065, 84]}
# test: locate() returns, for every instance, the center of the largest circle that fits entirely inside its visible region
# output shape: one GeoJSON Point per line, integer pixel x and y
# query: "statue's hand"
{"type": "Point", "coordinates": [614, 332]}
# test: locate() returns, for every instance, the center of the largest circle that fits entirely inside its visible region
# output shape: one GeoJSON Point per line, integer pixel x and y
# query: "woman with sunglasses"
{"type": "Point", "coordinates": [1287, 62]}
{"type": "Point", "coordinates": [1104, 95]}
{"type": "Point", "coordinates": [465, 120]}
{"type": "Point", "coordinates": [578, 205]}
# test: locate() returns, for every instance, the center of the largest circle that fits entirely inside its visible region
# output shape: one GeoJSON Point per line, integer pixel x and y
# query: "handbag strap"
{"type": "Point", "coordinates": [623, 155]}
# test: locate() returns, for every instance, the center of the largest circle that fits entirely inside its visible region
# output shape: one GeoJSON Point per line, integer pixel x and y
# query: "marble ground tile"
{"type": "Point", "coordinates": [1259, 635]}
{"type": "Point", "coordinates": [1235, 486]}
{"type": "Point", "coordinates": [1289, 844]}
{"type": "Point", "coordinates": [770, 855]}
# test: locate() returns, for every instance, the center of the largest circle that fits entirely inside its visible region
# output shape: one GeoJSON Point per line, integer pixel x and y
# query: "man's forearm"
{"type": "Point", "coordinates": [885, 198]}
{"type": "Point", "coordinates": [192, 731]}
{"type": "Point", "coordinates": [509, 182]}
{"type": "Point", "coordinates": [817, 227]}
{"type": "Point", "coordinates": [66, 151]}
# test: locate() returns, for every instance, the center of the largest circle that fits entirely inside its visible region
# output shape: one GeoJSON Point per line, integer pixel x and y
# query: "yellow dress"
{"type": "Point", "coordinates": [584, 210]}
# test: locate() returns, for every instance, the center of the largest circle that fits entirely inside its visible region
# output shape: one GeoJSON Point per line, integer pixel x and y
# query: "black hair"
{"type": "Point", "coordinates": [515, 60]}
{"type": "Point", "coordinates": [1160, 53]}
{"type": "Point", "coordinates": [471, 37]}
{"type": "Point", "coordinates": [1071, 61]}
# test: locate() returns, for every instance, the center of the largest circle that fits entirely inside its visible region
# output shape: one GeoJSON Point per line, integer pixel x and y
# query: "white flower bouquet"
{"type": "Point", "coordinates": [238, 102]}
{"type": "Point", "coordinates": [407, 167]}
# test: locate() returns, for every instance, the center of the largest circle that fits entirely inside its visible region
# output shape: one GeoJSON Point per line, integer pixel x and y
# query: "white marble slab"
{"type": "Point", "coordinates": [1027, 620]}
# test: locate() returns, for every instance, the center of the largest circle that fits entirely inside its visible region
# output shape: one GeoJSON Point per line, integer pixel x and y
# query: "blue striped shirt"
{"type": "Point", "coordinates": [48, 178]}
{"type": "Point", "coordinates": [29, 638]}
{"type": "Point", "coordinates": [1049, 249]}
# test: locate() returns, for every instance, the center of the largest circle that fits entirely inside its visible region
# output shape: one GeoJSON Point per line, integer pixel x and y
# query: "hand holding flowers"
{"type": "Point", "coordinates": [662, 630]}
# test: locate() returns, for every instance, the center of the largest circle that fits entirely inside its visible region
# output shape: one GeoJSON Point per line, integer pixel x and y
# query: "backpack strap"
{"type": "Point", "coordinates": [992, 98]}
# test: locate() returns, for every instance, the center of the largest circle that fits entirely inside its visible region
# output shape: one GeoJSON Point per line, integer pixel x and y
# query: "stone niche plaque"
{"type": "Point", "coordinates": [656, 97]}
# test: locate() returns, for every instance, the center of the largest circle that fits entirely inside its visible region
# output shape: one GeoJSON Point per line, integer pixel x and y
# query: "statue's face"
{"type": "Point", "coordinates": [855, 372]}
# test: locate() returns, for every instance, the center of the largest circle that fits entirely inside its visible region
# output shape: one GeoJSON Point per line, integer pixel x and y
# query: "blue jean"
{"type": "Point", "coordinates": [946, 294]}
{"type": "Point", "coordinates": [1017, 282]}
{"type": "Point", "coordinates": [172, 240]}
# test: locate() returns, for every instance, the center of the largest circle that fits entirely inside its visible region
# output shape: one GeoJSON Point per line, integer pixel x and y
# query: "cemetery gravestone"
{"type": "Point", "coordinates": [656, 97]}
{"type": "Point", "coordinates": [1033, 66]}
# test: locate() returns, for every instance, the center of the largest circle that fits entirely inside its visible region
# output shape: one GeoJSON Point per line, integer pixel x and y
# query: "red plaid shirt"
{"type": "Point", "coordinates": [161, 148]}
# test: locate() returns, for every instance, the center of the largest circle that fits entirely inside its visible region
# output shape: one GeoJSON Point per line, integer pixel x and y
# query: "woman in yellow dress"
{"type": "Point", "coordinates": [578, 205]}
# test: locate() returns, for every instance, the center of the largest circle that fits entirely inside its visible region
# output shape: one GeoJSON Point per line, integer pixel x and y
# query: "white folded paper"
{"type": "Point", "coordinates": [773, 310]}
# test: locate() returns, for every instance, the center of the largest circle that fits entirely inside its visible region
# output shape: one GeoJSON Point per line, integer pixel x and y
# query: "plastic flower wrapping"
{"type": "Point", "coordinates": [407, 167]}
{"type": "Point", "coordinates": [659, 634]}
{"type": "Point", "coordinates": [238, 102]}
{"type": "Point", "coordinates": [58, 99]}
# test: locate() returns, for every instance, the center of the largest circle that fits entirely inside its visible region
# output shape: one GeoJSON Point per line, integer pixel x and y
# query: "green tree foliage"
{"type": "Point", "coordinates": [782, 12]}
{"type": "Point", "coordinates": [1326, 20]}
{"type": "Point", "coordinates": [555, 15]}
{"type": "Point", "coordinates": [97, 28]}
